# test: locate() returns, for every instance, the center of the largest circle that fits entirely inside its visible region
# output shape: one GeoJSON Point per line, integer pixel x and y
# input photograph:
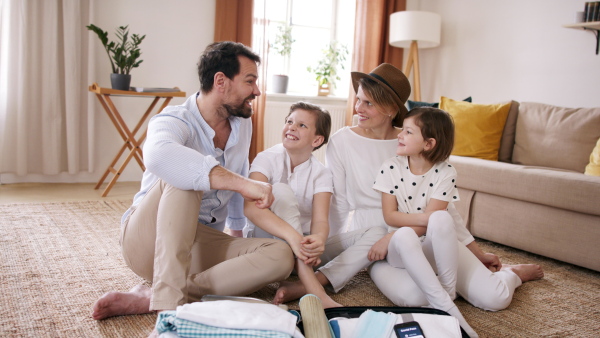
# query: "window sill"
{"type": "Point", "coordinates": [295, 97]}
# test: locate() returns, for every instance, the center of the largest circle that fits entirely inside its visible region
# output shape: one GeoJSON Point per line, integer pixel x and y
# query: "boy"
{"type": "Point", "coordinates": [302, 187]}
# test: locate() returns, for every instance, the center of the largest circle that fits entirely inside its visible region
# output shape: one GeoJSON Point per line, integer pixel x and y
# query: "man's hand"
{"type": "Point", "coordinates": [251, 190]}
{"type": "Point", "coordinates": [379, 250]}
{"type": "Point", "coordinates": [258, 192]}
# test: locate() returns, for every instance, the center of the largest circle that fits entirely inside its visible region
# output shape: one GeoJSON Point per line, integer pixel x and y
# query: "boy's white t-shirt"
{"type": "Point", "coordinates": [308, 178]}
{"type": "Point", "coordinates": [413, 192]}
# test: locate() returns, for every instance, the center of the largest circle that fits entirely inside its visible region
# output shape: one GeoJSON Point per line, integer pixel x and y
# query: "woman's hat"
{"type": "Point", "coordinates": [391, 78]}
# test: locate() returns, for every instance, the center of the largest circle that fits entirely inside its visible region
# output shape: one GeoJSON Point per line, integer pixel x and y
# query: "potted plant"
{"type": "Point", "coordinates": [123, 54]}
{"type": "Point", "coordinates": [326, 70]}
{"type": "Point", "coordinates": [282, 46]}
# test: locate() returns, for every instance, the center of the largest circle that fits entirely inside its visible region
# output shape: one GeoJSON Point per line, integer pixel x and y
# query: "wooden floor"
{"type": "Point", "coordinates": [59, 192]}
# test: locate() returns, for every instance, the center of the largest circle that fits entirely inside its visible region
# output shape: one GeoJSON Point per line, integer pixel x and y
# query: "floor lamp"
{"type": "Point", "coordinates": [415, 29]}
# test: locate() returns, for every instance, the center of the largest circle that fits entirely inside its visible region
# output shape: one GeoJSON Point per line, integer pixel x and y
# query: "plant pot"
{"type": "Point", "coordinates": [280, 83]}
{"type": "Point", "coordinates": [120, 81]}
{"type": "Point", "coordinates": [324, 90]}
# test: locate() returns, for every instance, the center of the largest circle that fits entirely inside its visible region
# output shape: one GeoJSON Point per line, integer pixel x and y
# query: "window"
{"type": "Point", "coordinates": [313, 24]}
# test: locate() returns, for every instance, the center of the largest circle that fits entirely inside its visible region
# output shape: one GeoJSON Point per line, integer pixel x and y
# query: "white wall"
{"type": "Point", "coordinates": [176, 34]}
{"type": "Point", "coordinates": [492, 51]}
{"type": "Point", "coordinates": [500, 50]}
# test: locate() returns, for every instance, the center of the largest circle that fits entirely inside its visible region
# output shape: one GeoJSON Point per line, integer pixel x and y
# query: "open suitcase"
{"type": "Point", "coordinates": [356, 311]}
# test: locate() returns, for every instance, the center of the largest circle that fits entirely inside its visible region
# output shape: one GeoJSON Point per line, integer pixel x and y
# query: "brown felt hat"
{"type": "Point", "coordinates": [392, 79]}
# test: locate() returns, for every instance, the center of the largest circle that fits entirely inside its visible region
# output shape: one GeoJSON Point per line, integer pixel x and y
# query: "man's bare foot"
{"type": "Point", "coordinates": [288, 291]}
{"type": "Point", "coordinates": [527, 272]}
{"type": "Point", "coordinates": [134, 302]}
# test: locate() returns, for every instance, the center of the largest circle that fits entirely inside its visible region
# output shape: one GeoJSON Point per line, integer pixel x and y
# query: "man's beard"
{"type": "Point", "coordinates": [240, 111]}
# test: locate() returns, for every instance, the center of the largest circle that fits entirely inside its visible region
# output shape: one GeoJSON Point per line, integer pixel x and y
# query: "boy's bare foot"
{"type": "Point", "coordinates": [288, 291]}
{"type": "Point", "coordinates": [329, 303]}
{"type": "Point", "coordinates": [134, 302]}
{"type": "Point", "coordinates": [527, 272]}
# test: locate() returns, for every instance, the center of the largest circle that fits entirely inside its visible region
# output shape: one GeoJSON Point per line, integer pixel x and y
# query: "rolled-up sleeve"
{"type": "Point", "coordinates": [168, 156]}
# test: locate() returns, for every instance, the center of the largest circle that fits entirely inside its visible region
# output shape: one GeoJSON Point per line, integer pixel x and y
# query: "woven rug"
{"type": "Point", "coordinates": [57, 259]}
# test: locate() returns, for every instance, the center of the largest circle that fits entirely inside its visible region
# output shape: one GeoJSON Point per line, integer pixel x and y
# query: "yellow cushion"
{"type": "Point", "coordinates": [593, 168]}
{"type": "Point", "coordinates": [478, 127]}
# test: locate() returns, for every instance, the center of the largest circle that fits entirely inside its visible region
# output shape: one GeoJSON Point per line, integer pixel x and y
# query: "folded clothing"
{"type": "Point", "coordinates": [227, 314]}
{"type": "Point", "coordinates": [169, 325]}
{"type": "Point", "coordinates": [374, 324]}
{"type": "Point", "coordinates": [432, 325]}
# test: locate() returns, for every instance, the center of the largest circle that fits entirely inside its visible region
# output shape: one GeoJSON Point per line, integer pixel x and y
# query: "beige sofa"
{"type": "Point", "coordinates": [537, 197]}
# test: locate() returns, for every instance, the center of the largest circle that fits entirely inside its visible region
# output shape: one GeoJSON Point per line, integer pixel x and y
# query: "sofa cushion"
{"type": "Point", "coordinates": [507, 143]}
{"type": "Point", "coordinates": [557, 188]}
{"type": "Point", "coordinates": [555, 137]}
{"type": "Point", "coordinates": [593, 168]}
{"type": "Point", "coordinates": [478, 127]}
{"type": "Point", "coordinates": [414, 104]}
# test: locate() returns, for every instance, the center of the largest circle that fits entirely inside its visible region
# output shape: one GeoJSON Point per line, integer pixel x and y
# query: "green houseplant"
{"type": "Point", "coordinates": [124, 54]}
{"type": "Point", "coordinates": [326, 71]}
{"type": "Point", "coordinates": [282, 46]}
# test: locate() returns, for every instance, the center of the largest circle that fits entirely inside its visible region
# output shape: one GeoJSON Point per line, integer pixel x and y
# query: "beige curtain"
{"type": "Point", "coordinates": [45, 123]}
{"type": "Point", "coordinates": [371, 35]}
{"type": "Point", "coordinates": [236, 20]}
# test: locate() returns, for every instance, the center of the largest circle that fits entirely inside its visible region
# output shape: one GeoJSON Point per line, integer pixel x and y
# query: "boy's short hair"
{"type": "Point", "coordinates": [222, 57]}
{"type": "Point", "coordinates": [437, 124]}
{"type": "Point", "coordinates": [323, 124]}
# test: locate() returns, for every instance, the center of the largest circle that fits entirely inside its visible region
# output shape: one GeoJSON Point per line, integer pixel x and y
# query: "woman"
{"type": "Point", "coordinates": [355, 154]}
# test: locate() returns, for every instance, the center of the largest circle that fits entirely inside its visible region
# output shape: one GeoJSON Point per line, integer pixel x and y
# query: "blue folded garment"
{"type": "Point", "coordinates": [167, 321]}
{"type": "Point", "coordinates": [374, 324]}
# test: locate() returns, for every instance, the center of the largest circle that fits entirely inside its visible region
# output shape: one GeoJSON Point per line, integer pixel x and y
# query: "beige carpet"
{"type": "Point", "coordinates": [58, 258]}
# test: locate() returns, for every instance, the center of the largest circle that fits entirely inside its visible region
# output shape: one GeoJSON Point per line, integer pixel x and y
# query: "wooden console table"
{"type": "Point", "coordinates": [129, 136]}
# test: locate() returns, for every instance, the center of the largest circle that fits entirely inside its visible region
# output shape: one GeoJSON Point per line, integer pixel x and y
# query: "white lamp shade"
{"type": "Point", "coordinates": [408, 26]}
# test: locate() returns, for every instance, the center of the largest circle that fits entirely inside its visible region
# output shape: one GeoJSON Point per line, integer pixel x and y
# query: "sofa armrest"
{"type": "Point", "coordinates": [553, 187]}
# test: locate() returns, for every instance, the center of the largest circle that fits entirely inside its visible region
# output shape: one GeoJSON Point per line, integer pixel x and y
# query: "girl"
{"type": "Point", "coordinates": [418, 188]}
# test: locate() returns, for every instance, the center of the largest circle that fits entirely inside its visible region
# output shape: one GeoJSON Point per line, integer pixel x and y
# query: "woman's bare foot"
{"type": "Point", "coordinates": [134, 302]}
{"type": "Point", "coordinates": [288, 291]}
{"type": "Point", "coordinates": [527, 272]}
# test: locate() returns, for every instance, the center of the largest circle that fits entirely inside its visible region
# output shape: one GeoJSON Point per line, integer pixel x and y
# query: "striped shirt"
{"type": "Point", "coordinates": [180, 151]}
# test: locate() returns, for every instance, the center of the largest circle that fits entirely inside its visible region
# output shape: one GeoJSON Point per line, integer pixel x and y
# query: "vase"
{"type": "Point", "coordinates": [120, 81]}
{"type": "Point", "coordinates": [324, 89]}
{"type": "Point", "coordinates": [280, 84]}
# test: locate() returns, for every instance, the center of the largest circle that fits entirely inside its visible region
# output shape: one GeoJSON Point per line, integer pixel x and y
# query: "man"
{"type": "Point", "coordinates": [196, 158]}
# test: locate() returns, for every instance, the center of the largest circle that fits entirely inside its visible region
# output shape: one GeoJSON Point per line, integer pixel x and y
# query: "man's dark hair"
{"type": "Point", "coordinates": [222, 57]}
{"type": "Point", "coordinates": [323, 123]}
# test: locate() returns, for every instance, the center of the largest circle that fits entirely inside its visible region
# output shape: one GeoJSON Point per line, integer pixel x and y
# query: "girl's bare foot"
{"type": "Point", "coordinates": [136, 301]}
{"type": "Point", "coordinates": [288, 291]}
{"type": "Point", "coordinates": [527, 272]}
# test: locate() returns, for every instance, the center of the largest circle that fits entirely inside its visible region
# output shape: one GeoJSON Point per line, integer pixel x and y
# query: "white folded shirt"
{"type": "Point", "coordinates": [240, 315]}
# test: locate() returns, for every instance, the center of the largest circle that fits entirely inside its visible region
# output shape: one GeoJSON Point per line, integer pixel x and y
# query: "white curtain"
{"type": "Point", "coordinates": [45, 123]}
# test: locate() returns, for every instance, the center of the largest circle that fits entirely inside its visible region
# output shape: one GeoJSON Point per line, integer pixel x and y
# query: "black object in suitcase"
{"type": "Point", "coordinates": [356, 311]}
